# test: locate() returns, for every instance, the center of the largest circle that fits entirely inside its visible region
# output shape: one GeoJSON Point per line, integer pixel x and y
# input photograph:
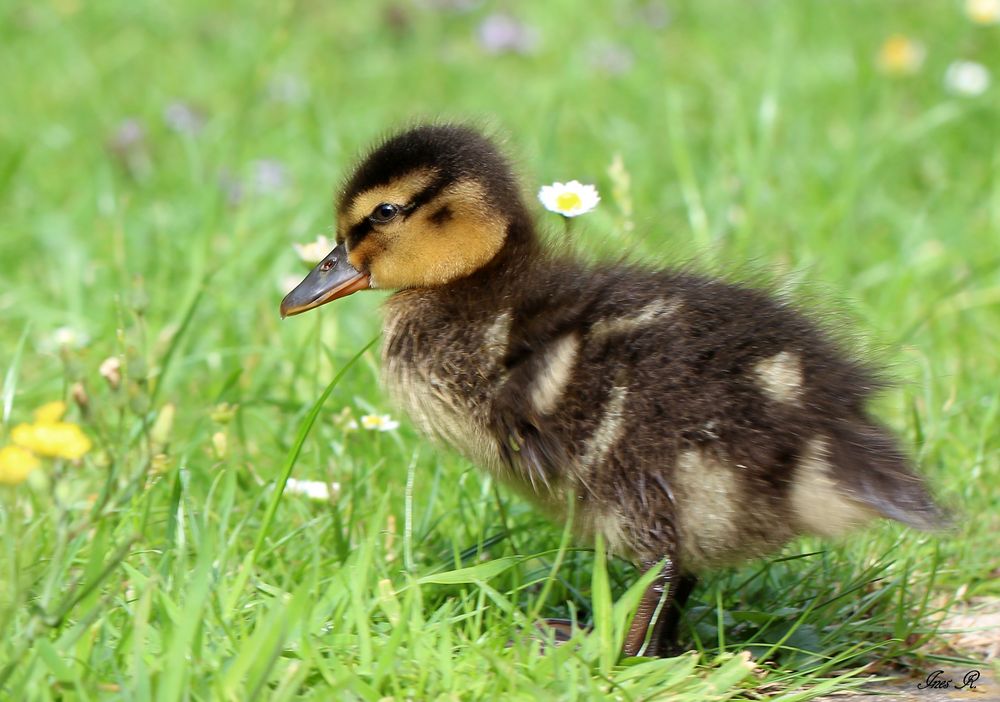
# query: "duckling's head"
{"type": "Point", "coordinates": [429, 206]}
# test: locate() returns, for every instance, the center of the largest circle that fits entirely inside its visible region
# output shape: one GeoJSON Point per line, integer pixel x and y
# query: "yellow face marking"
{"type": "Point", "coordinates": [398, 192]}
{"type": "Point", "coordinates": [426, 251]}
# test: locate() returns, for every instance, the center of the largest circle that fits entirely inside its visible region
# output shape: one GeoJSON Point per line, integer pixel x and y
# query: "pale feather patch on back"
{"type": "Point", "coordinates": [706, 507]}
{"type": "Point", "coordinates": [780, 377]}
{"type": "Point", "coordinates": [649, 314]}
{"type": "Point", "coordinates": [555, 373]}
{"type": "Point", "coordinates": [496, 336]}
{"type": "Point", "coordinates": [820, 504]}
{"type": "Point", "coordinates": [608, 432]}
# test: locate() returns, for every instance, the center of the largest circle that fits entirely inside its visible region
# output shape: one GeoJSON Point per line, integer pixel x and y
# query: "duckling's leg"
{"type": "Point", "coordinates": [666, 637]}
{"type": "Point", "coordinates": [670, 588]}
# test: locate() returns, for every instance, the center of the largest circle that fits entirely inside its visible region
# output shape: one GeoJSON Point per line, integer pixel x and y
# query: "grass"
{"type": "Point", "coordinates": [751, 136]}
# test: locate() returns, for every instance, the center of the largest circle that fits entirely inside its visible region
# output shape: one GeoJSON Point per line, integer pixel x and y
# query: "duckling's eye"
{"type": "Point", "coordinates": [384, 213]}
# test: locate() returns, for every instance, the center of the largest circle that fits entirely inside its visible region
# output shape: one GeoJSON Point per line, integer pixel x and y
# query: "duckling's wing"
{"type": "Point", "coordinates": [528, 450]}
{"type": "Point", "coordinates": [527, 445]}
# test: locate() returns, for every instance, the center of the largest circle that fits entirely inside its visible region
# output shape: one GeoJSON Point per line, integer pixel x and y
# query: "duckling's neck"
{"type": "Point", "coordinates": [520, 254]}
{"type": "Point", "coordinates": [490, 289]}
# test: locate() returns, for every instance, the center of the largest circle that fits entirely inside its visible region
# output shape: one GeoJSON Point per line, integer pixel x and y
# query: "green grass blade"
{"type": "Point", "coordinates": [603, 609]}
{"type": "Point", "coordinates": [10, 377]}
{"type": "Point", "coordinates": [293, 453]}
{"type": "Point", "coordinates": [473, 574]}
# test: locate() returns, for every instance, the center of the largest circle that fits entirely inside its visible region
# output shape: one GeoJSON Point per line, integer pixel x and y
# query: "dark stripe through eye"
{"type": "Point", "coordinates": [429, 193]}
{"type": "Point", "coordinates": [358, 232]}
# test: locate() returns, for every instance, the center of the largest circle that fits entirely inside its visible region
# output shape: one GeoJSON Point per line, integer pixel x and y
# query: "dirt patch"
{"type": "Point", "coordinates": [972, 631]}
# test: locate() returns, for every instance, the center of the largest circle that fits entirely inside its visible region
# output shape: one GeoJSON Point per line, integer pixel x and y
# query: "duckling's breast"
{"type": "Point", "coordinates": [442, 371]}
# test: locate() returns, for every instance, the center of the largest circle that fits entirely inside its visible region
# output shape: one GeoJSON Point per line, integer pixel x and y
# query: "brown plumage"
{"type": "Point", "coordinates": [690, 419]}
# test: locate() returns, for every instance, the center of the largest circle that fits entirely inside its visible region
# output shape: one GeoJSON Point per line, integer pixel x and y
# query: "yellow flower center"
{"type": "Point", "coordinates": [568, 201]}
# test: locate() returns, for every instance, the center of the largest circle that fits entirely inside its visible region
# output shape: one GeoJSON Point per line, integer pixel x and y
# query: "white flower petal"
{"type": "Point", "coordinates": [67, 338]}
{"type": "Point", "coordinates": [569, 199]}
{"type": "Point", "coordinates": [313, 489]}
{"type": "Point", "coordinates": [983, 11]}
{"type": "Point", "coordinates": [379, 422]}
{"type": "Point", "coordinates": [967, 78]}
{"type": "Point", "coordinates": [315, 251]}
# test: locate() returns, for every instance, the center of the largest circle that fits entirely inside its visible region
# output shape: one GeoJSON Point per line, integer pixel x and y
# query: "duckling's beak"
{"type": "Point", "coordinates": [332, 277]}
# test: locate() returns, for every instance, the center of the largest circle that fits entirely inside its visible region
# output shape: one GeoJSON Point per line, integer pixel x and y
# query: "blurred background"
{"type": "Point", "coordinates": [159, 160]}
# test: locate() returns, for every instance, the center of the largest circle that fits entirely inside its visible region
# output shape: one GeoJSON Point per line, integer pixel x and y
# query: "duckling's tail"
{"type": "Point", "coordinates": [871, 465]}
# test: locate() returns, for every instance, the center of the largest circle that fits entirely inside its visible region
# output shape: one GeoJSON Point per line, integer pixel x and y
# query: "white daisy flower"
{"type": "Point", "coordinates": [67, 338]}
{"type": "Point", "coordinates": [378, 422]}
{"type": "Point", "coordinates": [569, 199]}
{"type": "Point", "coordinates": [314, 252]}
{"type": "Point", "coordinates": [967, 78]}
{"type": "Point", "coordinates": [983, 11]}
{"type": "Point", "coordinates": [313, 489]}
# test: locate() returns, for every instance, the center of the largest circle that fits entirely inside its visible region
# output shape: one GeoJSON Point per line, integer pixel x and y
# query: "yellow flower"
{"type": "Point", "coordinates": [983, 11]}
{"type": "Point", "coordinates": [52, 439]}
{"type": "Point", "coordinates": [50, 412]}
{"type": "Point", "coordinates": [900, 56]}
{"type": "Point", "coordinates": [15, 464]}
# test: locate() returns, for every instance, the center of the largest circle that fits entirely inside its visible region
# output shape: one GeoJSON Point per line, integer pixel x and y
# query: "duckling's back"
{"type": "Point", "coordinates": [685, 415]}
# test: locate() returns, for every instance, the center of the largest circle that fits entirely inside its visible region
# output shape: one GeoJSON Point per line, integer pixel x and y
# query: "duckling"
{"type": "Point", "coordinates": [693, 422]}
